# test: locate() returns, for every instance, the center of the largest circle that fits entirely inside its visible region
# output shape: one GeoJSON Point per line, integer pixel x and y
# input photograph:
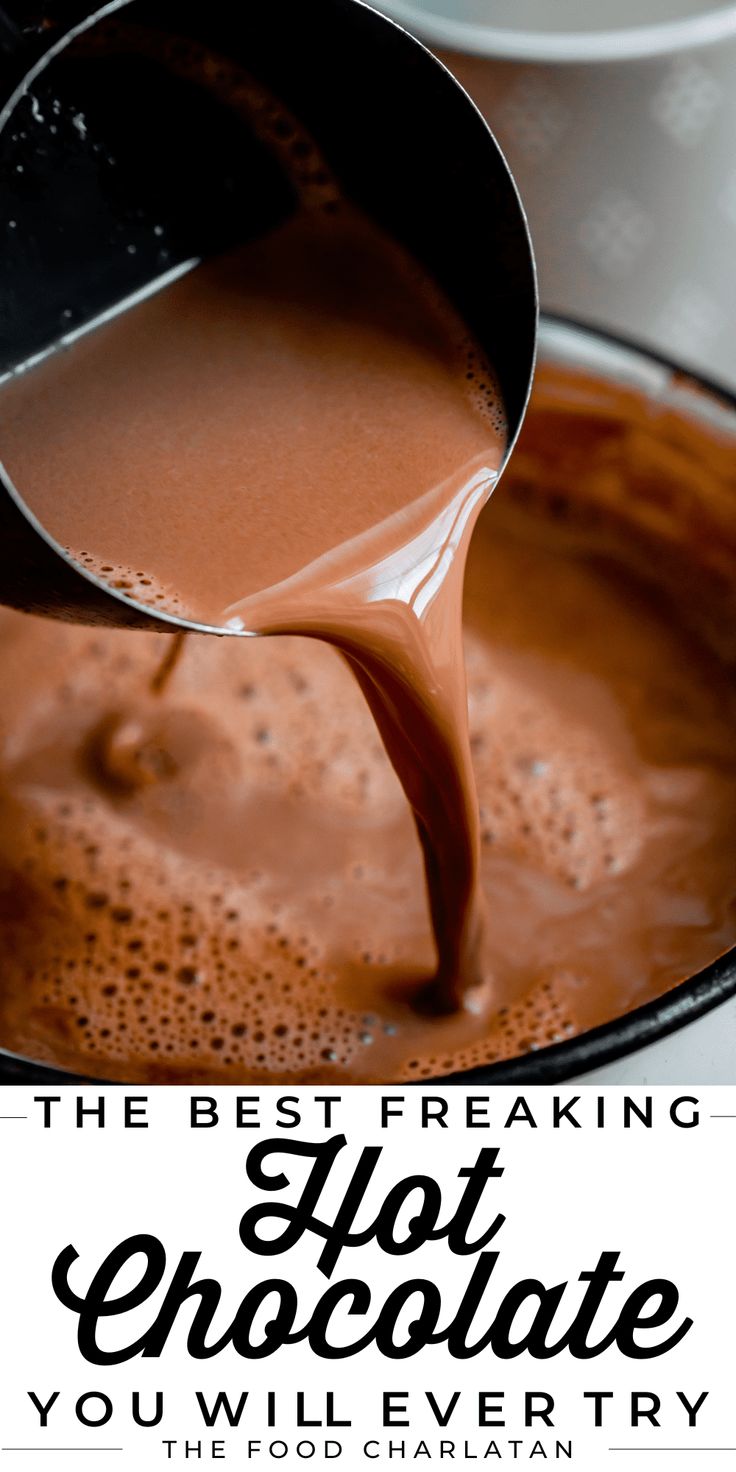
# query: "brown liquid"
{"type": "Point", "coordinates": [255, 908]}
{"type": "Point", "coordinates": [208, 869]}
{"type": "Point", "coordinates": [293, 440]}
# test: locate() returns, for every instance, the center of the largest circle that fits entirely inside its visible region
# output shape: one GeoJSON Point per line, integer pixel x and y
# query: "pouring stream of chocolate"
{"type": "Point", "coordinates": [295, 439]}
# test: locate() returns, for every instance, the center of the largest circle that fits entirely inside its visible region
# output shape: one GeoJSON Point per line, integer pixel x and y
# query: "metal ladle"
{"type": "Point", "coordinates": [118, 170]}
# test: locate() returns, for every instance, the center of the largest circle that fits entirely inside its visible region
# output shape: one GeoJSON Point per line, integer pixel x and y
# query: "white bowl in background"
{"type": "Point", "coordinates": [566, 30]}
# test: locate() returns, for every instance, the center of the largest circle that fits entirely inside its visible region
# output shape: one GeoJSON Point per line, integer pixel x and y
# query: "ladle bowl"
{"type": "Point", "coordinates": [125, 159]}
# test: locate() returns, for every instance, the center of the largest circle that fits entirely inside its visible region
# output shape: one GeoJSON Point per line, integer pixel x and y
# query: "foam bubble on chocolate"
{"type": "Point", "coordinates": [140, 585]}
{"type": "Point", "coordinates": [483, 388]}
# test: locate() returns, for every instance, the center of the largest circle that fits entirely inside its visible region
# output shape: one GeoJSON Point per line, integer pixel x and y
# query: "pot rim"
{"type": "Point", "coordinates": [579, 344]}
{"type": "Point", "coordinates": [627, 43]}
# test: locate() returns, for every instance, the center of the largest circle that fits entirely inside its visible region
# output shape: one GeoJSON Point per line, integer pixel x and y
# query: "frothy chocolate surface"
{"type": "Point", "coordinates": [223, 881]}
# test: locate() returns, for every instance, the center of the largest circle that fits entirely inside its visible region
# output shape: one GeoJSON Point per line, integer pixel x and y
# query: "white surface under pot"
{"type": "Point", "coordinates": [702, 1052]}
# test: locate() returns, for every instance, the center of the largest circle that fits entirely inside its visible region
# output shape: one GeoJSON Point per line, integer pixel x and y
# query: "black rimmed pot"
{"type": "Point", "coordinates": [583, 349]}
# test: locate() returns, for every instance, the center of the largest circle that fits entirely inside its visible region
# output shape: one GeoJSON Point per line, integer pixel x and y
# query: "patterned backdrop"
{"type": "Point", "coordinates": [628, 174]}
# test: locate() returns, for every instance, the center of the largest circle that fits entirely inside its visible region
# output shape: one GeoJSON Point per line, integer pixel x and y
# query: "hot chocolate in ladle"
{"type": "Point", "coordinates": [119, 171]}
